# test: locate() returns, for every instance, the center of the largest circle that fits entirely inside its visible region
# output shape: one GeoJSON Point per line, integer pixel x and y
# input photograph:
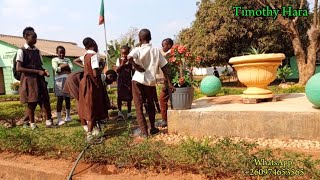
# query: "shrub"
{"type": "Point", "coordinates": [231, 91]}
{"type": "Point", "coordinates": [252, 51]}
{"type": "Point", "coordinates": [283, 73]}
{"type": "Point", "coordinates": [9, 97]}
{"type": "Point", "coordinates": [197, 93]}
{"type": "Point", "coordinates": [11, 110]}
{"type": "Point", "coordinates": [293, 89]}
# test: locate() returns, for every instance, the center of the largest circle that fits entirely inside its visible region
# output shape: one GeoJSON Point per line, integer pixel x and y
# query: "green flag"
{"type": "Point", "coordinates": [101, 17]}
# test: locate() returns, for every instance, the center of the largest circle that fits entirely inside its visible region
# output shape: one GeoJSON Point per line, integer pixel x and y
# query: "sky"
{"type": "Point", "coordinates": [73, 20]}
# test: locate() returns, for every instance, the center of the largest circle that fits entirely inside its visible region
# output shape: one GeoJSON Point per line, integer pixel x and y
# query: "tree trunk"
{"type": "Point", "coordinates": [310, 66]}
{"type": "Point", "coordinates": [306, 64]}
{"type": "Point", "coordinates": [315, 11]}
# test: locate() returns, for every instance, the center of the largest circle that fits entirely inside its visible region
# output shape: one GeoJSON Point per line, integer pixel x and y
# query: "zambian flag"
{"type": "Point", "coordinates": [101, 17]}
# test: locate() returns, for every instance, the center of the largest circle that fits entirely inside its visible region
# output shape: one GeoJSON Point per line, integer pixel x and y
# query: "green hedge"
{"type": "Point", "coordinates": [292, 89]}
{"type": "Point", "coordinates": [9, 97]}
{"type": "Point", "coordinates": [11, 110]}
{"type": "Point", "coordinates": [15, 110]}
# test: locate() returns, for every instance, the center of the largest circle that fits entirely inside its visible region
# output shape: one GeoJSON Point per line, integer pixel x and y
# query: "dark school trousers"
{"type": "Point", "coordinates": [141, 93]}
{"type": "Point", "coordinates": [164, 99]}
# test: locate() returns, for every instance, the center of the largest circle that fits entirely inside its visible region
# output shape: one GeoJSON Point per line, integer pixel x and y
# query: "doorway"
{"type": "Point", "coordinates": [2, 86]}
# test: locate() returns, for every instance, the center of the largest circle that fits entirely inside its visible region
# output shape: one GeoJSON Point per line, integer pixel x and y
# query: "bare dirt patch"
{"type": "Point", "coordinates": [25, 167]}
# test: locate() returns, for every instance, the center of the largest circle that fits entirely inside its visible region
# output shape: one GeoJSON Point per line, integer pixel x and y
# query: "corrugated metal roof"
{"type": "Point", "coordinates": [47, 47]}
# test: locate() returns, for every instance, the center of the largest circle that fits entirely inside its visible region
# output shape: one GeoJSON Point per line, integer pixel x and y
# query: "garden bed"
{"type": "Point", "coordinates": [212, 157]}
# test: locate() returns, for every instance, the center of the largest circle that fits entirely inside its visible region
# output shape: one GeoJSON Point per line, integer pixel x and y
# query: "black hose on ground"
{"type": "Point", "coordinates": [83, 151]}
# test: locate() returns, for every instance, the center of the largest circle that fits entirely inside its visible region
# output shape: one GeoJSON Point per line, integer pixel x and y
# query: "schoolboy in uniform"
{"type": "Point", "coordinates": [146, 60]}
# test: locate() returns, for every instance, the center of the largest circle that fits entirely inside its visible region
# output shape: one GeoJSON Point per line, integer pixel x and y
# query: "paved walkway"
{"type": "Point", "coordinates": [288, 103]}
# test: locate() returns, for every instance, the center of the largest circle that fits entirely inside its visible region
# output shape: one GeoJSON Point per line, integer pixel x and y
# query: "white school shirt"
{"type": "Point", "coordinates": [118, 62]}
{"type": "Point", "coordinates": [82, 59]}
{"type": "Point", "coordinates": [160, 74]}
{"type": "Point", "coordinates": [20, 52]}
{"type": "Point", "coordinates": [151, 60]}
{"type": "Point", "coordinates": [56, 61]}
{"type": "Point", "coordinates": [94, 59]}
{"type": "Point", "coordinates": [103, 76]}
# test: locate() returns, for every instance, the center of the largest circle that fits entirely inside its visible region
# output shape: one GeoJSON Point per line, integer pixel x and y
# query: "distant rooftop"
{"type": "Point", "coordinates": [47, 47]}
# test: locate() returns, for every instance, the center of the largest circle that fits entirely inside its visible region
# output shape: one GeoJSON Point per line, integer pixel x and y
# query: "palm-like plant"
{"type": "Point", "coordinates": [113, 52]}
{"type": "Point", "coordinates": [253, 50]}
{"type": "Point", "coordinates": [283, 73]}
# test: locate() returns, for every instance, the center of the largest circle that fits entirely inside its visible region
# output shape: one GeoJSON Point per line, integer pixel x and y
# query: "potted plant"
{"type": "Point", "coordinates": [181, 63]}
{"type": "Point", "coordinates": [15, 87]}
{"type": "Point", "coordinates": [257, 70]}
{"type": "Point", "coordinates": [283, 73]}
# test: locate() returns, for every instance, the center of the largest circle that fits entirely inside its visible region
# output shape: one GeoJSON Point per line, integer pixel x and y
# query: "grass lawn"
{"type": "Point", "coordinates": [223, 158]}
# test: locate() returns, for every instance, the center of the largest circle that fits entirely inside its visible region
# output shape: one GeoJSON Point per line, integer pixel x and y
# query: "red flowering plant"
{"type": "Point", "coordinates": [182, 62]}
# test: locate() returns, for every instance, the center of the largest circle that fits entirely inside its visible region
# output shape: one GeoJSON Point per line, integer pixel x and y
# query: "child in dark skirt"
{"type": "Point", "coordinates": [72, 88]}
{"type": "Point", "coordinates": [33, 89]}
{"type": "Point", "coordinates": [124, 83]}
{"type": "Point", "coordinates": [92, 98]}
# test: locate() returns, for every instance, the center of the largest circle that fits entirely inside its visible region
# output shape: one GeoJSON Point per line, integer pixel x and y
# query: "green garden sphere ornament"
{"type": "Point", "coordinates": [210, 85]}
{"type": "Point", "coordinates": [313, 90]}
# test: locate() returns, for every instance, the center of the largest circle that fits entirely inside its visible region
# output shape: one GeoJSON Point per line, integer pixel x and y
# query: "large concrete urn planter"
{"type": "Point", "coordinates": [257, 72]}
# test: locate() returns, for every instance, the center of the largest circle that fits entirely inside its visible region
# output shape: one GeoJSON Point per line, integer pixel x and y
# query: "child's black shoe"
{"type": "Point", "coordinates": [51, 126]}
{"type": "Point", "coordinates": [161, 123]}
{"type": "Point", "coordinates": [26, 125]}
{"type": "Point", "coordinates": [154, 131]}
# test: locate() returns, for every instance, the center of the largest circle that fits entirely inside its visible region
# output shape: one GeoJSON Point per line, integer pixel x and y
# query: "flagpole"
{"type": "Point", "coordinates": [105, 38]}
{"type": "Point", "coordinates": [107, 55]}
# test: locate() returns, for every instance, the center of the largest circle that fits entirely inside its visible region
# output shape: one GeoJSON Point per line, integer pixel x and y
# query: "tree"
{"type": "Point", "coordinates": [113, 52]}
{"type": "Point", "coordinates": [114, 47]}
{"type": "Point", "coordinates": [217, 34]}
{"type": "Point", "coordinates": [130, 38]}
{"type": "Point", "coordinates": [304, 52]}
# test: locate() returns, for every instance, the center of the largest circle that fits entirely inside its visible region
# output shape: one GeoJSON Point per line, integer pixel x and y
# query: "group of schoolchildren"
{"type": "Point", "coordinates": [135, 75]}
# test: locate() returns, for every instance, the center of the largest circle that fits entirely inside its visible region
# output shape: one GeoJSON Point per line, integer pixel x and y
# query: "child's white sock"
{"type": "Point", "coordinates": [85, 128]}
{"type": "Point", "coordinates": [95, 131]}
{"type": "Point", "coordinates": [32, 125]}
{"type": "Point", "coordinates": [68, 117]}
{"type": "Point", "coordinates": [68, 113]}
{"type": "Point", "coordinates": [120, 114]}
{"type": "Point", "coordinates": [48, 122]}
{"type": "Point", "coordinates": [89, 137]}
{"type": "Point", "coordinates": [128, 114]}
{"type": "Point", "coordinates": [59, 116]}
